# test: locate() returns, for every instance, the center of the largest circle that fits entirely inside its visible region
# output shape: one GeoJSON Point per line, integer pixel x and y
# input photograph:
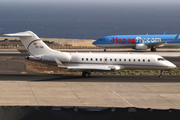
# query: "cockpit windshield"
{"type": "Point", "coordinates": [161, 59]}
{"type": "Point", "coordinates": [99, 40]}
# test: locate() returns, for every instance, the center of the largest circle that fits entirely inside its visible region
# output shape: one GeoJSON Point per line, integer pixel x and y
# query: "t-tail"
{"type": "Point", "coordinates": [33, 44]}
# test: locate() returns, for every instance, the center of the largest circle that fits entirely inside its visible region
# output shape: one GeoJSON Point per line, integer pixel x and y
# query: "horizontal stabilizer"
{"type": "Point", "coordinates": [19, 34]}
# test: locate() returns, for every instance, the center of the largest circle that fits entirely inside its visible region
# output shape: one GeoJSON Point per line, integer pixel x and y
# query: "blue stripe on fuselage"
{"type": "Point", "coordinates": [136, 39]}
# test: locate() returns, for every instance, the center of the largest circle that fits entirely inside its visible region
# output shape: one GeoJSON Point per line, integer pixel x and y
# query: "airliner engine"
{"type": "Point", "coordinates": [33, 57]}
{"type": "Point", "coordinates": [141, 47]}
{"type": "Point", "coordinates": [63, 57]}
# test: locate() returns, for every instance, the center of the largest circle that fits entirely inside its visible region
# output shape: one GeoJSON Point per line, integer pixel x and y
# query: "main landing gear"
{"type": "Point", "coordinates": [86, 74]}
{"type": "Point", "coordinates": [160, 76]}
{"type": "Point", "coordinates": [153, 49]}
{"type": "Point", "coordinates": [104, 50]}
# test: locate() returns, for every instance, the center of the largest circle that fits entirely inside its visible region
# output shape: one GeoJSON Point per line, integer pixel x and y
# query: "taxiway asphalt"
{"type": "Point", "coordinates": [96, 91]}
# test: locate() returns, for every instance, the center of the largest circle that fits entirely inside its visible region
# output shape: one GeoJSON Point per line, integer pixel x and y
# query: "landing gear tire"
{"type": "Point", "coordinates": [104, 50]}
{"type": "Point", "coordinates": [153, 49]}
{"type": "Point", "coordinates": [86, 74]}
{"type": "Point", "coordinates": [160, 76]}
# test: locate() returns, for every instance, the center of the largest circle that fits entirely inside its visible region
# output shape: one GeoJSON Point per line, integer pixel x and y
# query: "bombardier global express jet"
{"type": "Point", "coordinates": [138, 42]}
{"type": "Point", "coordinates": [89, 62]}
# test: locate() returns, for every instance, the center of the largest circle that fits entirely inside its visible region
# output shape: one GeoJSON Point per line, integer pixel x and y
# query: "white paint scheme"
{"type": "Point", "coordinates": [82, 61]}
{"type": "Point", "coordinates": [28, 39]}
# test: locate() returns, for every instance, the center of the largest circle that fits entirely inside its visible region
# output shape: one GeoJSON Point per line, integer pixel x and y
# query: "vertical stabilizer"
{"type": "Point", "coordinates": [33, 44]}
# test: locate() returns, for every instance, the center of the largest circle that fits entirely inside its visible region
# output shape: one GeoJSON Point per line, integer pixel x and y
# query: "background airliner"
{"type": "Point", "coordinates": [89, 62]}
{"type": "Point", "coordinates": [138, 42]}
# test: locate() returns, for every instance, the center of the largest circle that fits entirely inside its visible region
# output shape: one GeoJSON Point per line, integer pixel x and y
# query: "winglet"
{"type": "Point", "coordinates": [164, 33]}
{"type": "Point", "coordinates": [177, 36]}
{"type": "Point", "coordinates": [59, 63]}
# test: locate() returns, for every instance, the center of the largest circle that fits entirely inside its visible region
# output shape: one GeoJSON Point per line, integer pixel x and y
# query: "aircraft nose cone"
{"type": "Point", "coordinates": [94, 43]}
{"type": "Point", "coordinates": [171, 65]}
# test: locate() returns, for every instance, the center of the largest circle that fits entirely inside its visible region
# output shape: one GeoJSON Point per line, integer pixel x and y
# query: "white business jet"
{"type": "Point", "coordinates": [89, 62]}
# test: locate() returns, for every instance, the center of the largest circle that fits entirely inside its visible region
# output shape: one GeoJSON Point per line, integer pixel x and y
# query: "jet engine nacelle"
{"type": "Point", "coordinates": [33, 57]}
{"type": "Point", "coordinates": [141, 47]}
{"type": "Point", "coordinates": [63, 57]}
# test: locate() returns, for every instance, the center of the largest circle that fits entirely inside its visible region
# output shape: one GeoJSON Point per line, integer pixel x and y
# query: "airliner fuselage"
{"type": "Point", "coordinates": [138, 42]}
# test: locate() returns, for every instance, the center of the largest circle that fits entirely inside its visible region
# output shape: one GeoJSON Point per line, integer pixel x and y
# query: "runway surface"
{"type": "Point", "coordinates": [34, 89]}
{"type": "Point", "coordinates": [38, 77]}
{"type": "Point", "coordinates": [97, 91]}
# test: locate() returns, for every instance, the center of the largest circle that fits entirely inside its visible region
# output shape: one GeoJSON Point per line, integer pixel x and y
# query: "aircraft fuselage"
{"type": "Point", "coordinates": [125, 41]}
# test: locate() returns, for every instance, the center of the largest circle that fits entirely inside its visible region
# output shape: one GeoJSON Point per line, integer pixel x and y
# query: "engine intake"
{"type": "Point", "coordinates": [63, 57]}
{"type": "Point", "coordinates": [33, 57]}
{"type": "Point", "coordinates": [141, 47]}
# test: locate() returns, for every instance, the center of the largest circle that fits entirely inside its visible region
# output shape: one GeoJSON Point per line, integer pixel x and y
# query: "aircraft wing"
{"type": "Point", "coordinates": [156, 44]}
{"type": "Point", "coordinates": [162, 43]}
{"type": "Point", "coordinates": [95, 67]}
{"type": "Point", "coordinates": [88, 67]}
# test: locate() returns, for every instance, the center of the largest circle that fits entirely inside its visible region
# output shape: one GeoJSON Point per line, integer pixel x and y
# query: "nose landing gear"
{"type": "Point", "coordinates": [160, 76]}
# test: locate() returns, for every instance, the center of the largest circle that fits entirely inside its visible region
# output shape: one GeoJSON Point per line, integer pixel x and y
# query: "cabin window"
{"type": "Point", "coordinates": [148, 60]}
{"type": "Point", "coordinates": [138, 60]}
{"type": "Point", "coordinates": [114, 59]}
{"type": "Point", "coordinates": [96, 59]}
{"type": "Point", "coordinates": [105, 59]}
{"type": "Point", "coordinates": [86, 59]}
{"type": "Point", "coordinates": [110, 59]}
{"type": "Point", "coordinates": [124, 60]}
{"type": "Point", "coordinates": [129, 60]}
{"type": "Point", "coordinates": [100, 59]}
{"type": "Point", "coordinates": [119, 59]}
{"type": "Point", "coordinates": [143, 60]}
{"type": "Point", "coordinates": [82, 59]}
{"type": "Point", "coordinates": [91, 59]}
{"type": "Point", "coordinates": [134, 60]}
